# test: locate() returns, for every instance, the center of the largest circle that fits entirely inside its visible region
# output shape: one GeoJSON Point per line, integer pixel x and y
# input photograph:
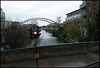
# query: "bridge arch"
{"type": "Point", "coordinates": [32, 20]}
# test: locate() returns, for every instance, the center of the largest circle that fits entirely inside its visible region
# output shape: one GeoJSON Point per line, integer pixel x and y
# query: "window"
{"type": "Point", "coordinates": [69, 24]}
{"type": "Point", "coordinates": [83, 32]}
{"type": "Point", "coordinates": [89, 10]}
{"type": "Point", "coordinates": [90, 19]}
{"type": "Point", "coordinates": [88, 2]}
{"type": "Point", "coordinates": [67, 15]}
{"type": "Point", "coordinates": [94, 8]}
{"type": "Point", "coordinates": [75, 24]}
{"type": "Point", "coordinates": [94, 5]}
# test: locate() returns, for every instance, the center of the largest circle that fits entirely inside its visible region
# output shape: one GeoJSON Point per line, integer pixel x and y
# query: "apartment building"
{"type": "Point", "coordinates": [72, 17]}
{"type": "Point", "coordinates": [87, 11]}
{"type": "Point", "coordinates": [92, 7]}
{"type": "Point", "coordinates": [83, 14]}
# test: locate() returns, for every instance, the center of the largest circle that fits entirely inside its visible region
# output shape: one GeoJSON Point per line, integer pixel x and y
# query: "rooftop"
{"type": "Point", "coordinates": [73, 11]}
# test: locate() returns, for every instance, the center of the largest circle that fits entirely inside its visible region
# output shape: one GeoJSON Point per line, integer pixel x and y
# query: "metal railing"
{"type": "Point", "coordinates": [53, 45]}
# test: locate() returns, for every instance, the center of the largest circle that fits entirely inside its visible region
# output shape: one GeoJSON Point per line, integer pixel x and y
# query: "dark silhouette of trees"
{"type": "Point", "coordinates": [16, 36]}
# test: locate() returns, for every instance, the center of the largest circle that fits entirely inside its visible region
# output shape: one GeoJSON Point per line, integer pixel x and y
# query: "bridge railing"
{"type": "Point", "coordinates": [50, 51]}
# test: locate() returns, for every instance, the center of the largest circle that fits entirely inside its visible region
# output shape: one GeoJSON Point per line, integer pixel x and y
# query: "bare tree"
{"type": "Point", "coordinates": [16, 36]}
{"type": "Point", "coordinates": [59, 19]}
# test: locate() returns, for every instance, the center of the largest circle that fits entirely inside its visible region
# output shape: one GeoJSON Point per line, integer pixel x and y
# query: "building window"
{"type": "Point", "coordinates": [94, 10]}
{"type": "Point", "coordinates": [88, 2]}
{"type": "Point", "coordinates": [94, 5]}
{"type": "Point", "coordinates": [69, 24]}
{"type": "Point", "coordinates": [82, 32]}
{"type": "Point", "coordinates": [75, 24]}
{"type": "Point", "coordinates": [90, 20]}
{"type": "Point", "coordinates": [89, 10]}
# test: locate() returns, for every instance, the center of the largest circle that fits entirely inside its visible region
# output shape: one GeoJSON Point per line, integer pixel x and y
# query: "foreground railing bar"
{"type": "Point", "coordinates": [61, 44]}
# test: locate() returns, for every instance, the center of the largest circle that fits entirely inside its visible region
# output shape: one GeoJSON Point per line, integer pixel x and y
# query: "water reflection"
{"type": "Point", "coordinates": [47, 39]}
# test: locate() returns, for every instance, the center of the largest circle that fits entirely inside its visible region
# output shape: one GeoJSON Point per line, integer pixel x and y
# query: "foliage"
{"type": "Point", "coordinates": [83, 38]}
{"type": "Point", "coordinates": [93, 29]}
{"type": "Point", "coordinates": [64, 35]}
{"type": "Point", "coordinates": [90, 30]}
{"type": "Point", "coordinates": [16, 36]}
{"type": "Point", "coordinates": [96, 26]}
{"type": "Point", "coordinates": [60, 29]}
{"type": "Point", "coordinates": [73, 32]}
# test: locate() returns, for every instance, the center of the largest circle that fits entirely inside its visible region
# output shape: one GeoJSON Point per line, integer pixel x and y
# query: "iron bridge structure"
{"type": "Point", "coordinates": [35, 21]}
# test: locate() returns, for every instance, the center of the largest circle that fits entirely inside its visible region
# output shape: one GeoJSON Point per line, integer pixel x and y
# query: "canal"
{"type": "Point", "coordinates": [46, 39]}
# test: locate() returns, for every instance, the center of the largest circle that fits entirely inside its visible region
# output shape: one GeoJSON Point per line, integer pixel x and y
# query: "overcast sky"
{"type": "Point", "coordinates": [22, 10]}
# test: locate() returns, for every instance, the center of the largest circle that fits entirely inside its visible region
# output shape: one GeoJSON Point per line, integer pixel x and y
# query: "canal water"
{"type": "Point", "coordinates": [46, 39]}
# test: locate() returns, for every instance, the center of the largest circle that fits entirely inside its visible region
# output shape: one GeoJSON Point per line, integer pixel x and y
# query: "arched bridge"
{"type": "Point", "coordinates": [33, 20]}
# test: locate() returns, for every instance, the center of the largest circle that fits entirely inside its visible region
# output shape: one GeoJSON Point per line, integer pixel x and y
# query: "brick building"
{"type": "Point", "coordinates": [72, 17]}
{"type": "Point", "coordinates": [92, 7]}
{"type": "Point", "coordinates": [87, 11]}
{"type": "Point", "coordinates": [83, 17]}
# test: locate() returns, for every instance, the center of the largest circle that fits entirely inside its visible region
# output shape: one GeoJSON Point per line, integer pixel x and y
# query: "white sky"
{"type": "Point", "coordinates": [22, 10]}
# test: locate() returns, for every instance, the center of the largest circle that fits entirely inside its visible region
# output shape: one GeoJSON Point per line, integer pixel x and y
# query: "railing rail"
{"type": "Point", "coordinates": [53, 45]}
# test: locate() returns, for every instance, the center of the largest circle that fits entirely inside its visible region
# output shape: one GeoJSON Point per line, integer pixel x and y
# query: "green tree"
{"type": "Point", "coordinates": [90, 30]}
{"type": "Point", "coordinates": [93, 29]}
{"type": "Point", "coordinates": [73, 32]}
{"type": "Point", "coordinates": [96, 27]}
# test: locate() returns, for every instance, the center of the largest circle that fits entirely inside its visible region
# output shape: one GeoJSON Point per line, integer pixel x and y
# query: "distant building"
{"type": "Point", "coordinates": [7, 24]}
{"type": "Point", "coordinates": [15, 22]}
{"type": "Point", "coordinates": [72, 17]}
{"type": "Point", "coordinates": [2, 19]}
{"type": "Point", "coordinates": [25, 25]}
{"type": "Point", "coordinates": [50, 26]}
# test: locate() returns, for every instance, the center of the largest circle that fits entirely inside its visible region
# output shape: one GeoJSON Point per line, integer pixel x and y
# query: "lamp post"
{"type": "Point", "coordinates": [36, 54]}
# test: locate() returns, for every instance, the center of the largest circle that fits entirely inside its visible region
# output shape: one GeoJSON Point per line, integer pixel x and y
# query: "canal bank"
{"type": "Point", "coordinates": [59, 36]}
